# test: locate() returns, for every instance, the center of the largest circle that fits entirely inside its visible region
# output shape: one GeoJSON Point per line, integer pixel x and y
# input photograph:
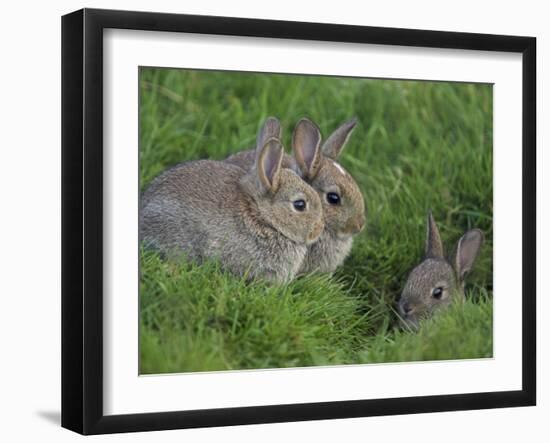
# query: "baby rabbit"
{"type": "Point", "coordinates": [437, 281]}
{"type": "Point", "coordinates": [341, 198]}
{"type": "Point", "coordinates": [258, 224]}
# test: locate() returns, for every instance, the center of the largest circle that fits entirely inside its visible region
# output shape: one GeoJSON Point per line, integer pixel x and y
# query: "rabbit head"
{"type": "Point", "coordinates": [281, 197]}
{"type": "Point", "coordinates": [436, 282]}
{"type": "Point", "coordinates": [341, 198]}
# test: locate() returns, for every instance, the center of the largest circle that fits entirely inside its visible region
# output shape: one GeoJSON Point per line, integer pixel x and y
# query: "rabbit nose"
{"type": "Point", "coordinates": [406, 307]}
{"type": "Point", "coordinates": [356, 225]}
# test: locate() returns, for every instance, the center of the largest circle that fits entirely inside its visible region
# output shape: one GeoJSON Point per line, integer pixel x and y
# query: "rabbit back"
{"type": "Point", "coordinates": [182, 210]}
{"type": "Point", "coordinates": [245, 160]}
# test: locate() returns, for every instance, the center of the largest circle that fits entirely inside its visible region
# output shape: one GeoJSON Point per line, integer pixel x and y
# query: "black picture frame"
{"type": "Point", "coordinates": [82, 218]}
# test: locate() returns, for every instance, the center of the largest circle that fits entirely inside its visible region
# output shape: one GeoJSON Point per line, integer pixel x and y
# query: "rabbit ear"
{"type": "Point", "coordinates": [271, 128]}
{"type": "Point", "coordinates": [268, 164]}
{"type": "Point", "coordinates": [306, 140]}
{"type": "Point", "coordinates": [335, 143]}
{"type": "Point", "coordinates": [434, 247]}
{"type": "Point", "coordinates": [467, 250]}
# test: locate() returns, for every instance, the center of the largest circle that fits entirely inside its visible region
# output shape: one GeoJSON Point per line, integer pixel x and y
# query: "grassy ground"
{"type": "Point", "coordinates": [419, 145]}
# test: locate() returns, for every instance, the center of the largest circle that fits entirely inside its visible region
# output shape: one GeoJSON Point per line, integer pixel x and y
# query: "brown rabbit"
{"type": "Point", "coordinates": [437, 281]}
{"type": "Point", "coordinates": [343, 204]}
{"type": "Point", "coordinates": [258, 224]}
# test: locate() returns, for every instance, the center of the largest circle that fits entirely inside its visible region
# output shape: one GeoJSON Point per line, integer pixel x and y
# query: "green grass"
{"type": "Point", "coordinates": [419, 145]}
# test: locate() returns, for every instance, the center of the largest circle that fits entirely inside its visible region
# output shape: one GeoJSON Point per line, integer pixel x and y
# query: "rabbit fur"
{"type": "Point", "coordinates": [317, 165]}
{"type": "Point", "coordinates": [209, 209]}
{"type": "Point", "coordinates": [437, 281]}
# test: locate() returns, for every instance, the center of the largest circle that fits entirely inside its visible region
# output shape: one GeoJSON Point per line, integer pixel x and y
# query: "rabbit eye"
{"type": "Point", "coordinates": [333, 198]}
{"type": "Point", "coordinates": [299, 205]}
{"type": "Point", "coordinates": [437, 293]}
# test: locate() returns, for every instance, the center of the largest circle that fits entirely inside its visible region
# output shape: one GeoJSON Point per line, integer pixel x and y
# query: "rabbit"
{"type": "Point", "coordinates": [343, 204]}
{"type": "Point", "coordinates": [437, 281]}
{"type": "Point", "coordinates": [257, 224]}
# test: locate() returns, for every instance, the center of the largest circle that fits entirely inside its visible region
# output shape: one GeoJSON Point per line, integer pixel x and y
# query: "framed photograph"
{"type": "Point", "coordinates": [269, 221]}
